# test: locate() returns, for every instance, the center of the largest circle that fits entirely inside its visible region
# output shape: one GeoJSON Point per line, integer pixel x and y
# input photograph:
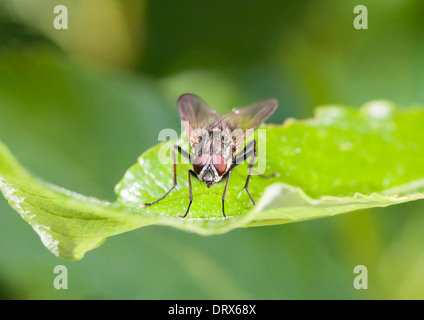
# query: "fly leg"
{"type": "Point", "coordinates": [249, 151]}
{"type": "Point", "coordinates": [225, 193]}
{"type": "Point", "coordinates": [244, 154]}
{"type": "Point", "coordinates": [174, 170]}
{"type": "Point", "coordinates": [190, 173]}
{"type": "Point", "coordinates": [249, 174]}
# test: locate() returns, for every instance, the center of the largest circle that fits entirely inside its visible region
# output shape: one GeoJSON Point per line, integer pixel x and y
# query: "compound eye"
{"type": "Point", "coordinates": [200, 162]}
{"type": "Point", "coordinates": [219, 164]}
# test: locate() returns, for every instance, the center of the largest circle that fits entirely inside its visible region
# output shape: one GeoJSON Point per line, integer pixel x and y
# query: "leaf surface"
{"type": "Point", "coordinates": [344, 159]}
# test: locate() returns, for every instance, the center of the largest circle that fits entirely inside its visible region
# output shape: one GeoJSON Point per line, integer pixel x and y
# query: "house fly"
{"type": "Point", "coordinates": [215, 141]}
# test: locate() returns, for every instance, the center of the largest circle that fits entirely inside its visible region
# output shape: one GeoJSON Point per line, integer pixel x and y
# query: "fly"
{"type": "Point", "coordinates": [215, 141]}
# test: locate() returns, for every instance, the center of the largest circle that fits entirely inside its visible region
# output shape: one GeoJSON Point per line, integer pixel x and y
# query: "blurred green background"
{"type": "Point", "coordinates": [78, 106]}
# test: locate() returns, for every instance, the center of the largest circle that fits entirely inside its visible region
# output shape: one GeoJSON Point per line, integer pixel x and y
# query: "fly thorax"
{"type": "Point", "coordinates": [222, 144]}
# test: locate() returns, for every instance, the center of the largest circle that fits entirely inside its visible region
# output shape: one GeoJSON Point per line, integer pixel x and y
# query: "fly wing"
{"type": "Point", "coordinates": [196, 115]}
{"type": "Point", "coordinates": [243, 122]}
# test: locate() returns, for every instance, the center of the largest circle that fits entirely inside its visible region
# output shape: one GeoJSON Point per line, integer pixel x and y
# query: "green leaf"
{"type": "Point", "coordinates": [342, 160]}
